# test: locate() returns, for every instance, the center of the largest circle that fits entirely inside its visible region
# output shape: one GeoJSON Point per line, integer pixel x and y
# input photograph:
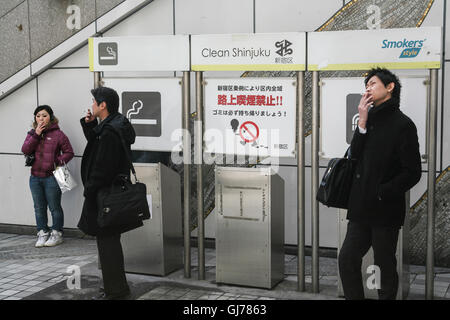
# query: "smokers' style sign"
{"type": "Point", "coordinates": [250, 116]}
{"type": "Point", "coordinates": [404, 48]}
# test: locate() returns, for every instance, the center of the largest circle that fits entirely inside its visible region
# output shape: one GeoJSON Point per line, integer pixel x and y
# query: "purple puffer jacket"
{"type": "Point", "coordinates": [52, 148]}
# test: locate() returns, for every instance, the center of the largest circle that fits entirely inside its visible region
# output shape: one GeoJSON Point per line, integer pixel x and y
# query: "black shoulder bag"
{"type": "Point", "coordinates": [29, 159]}
{"type": "Point", "coordinates": [334, 190]}
{"type": "Point", "coordinates": [123, 205]}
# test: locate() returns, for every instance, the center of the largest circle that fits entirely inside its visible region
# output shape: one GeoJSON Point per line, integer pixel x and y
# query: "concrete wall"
{"type": "Point", "coordinates": [31, 28]}
{"type": "Point", "coordinates": [66, 88]}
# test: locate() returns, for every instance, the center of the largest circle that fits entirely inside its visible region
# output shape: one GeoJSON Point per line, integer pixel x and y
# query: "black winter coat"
{"type": "Point", "coordinates": [103, 159]}
{"type": "Point", "coordinates": [388, 165]}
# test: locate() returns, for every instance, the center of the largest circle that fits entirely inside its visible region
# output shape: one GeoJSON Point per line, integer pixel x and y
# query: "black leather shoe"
{"type": "Point", "coordinates": [100, 296]}
{"type": "Point", "coordinates": [103, 296]}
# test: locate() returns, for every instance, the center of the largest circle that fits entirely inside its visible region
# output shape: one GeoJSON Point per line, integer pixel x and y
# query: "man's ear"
{"type": "Point", "coordinates": [390, 87]}
{"type": "Point", "coordinates": [102, 105]}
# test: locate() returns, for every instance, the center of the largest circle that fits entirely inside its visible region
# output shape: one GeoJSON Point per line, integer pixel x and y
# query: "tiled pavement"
{"type": "Point", "coordinates": [19, 279]}
{"type": "Point", "coordinates": [25, 270]}
{"type": "Point", "coordinates": [166, 292]}
{"type": "Point", "coordinates": [30, 273]}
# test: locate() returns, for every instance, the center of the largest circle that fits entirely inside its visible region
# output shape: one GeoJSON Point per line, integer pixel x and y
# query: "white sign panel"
{"type": "Point", "coordinates": [406, 48]}
{"type": "Point", "coordinates": [144, 53]}
{"type": "Point", "coordinates": [339, 111]}
{"type": "Point", "coordinates": [250, 116]}
{"type": "Point", "coordinates": [264, 51]}
{"type": "Point", "coordinates": [154, 108]}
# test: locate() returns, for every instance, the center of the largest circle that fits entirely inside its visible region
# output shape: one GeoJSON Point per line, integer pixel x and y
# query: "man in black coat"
{"type": "Point", "coordinates": [386, 148]}
{"type": "Point", "coordinates": [103, 159]}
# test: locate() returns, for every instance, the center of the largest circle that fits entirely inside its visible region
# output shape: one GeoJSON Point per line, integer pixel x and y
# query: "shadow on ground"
{"type": "Point", "coordinates": [90, 285]}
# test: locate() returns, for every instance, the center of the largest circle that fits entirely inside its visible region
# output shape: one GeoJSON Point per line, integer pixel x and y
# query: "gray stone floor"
{"type": "Point", "coordinates": [31, 273]}
{"type": "Point", "coordinates": [25, 270]}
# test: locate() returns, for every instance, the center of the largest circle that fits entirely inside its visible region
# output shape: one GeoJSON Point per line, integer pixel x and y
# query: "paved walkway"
{"type": "Point", "coordinates": [31, 273]}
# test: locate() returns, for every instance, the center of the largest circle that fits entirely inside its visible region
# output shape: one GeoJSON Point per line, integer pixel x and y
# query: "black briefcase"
{"type": "Point", "coordinates": [122, 206]}
{"type": "Point", "coordinates": [334, 189]}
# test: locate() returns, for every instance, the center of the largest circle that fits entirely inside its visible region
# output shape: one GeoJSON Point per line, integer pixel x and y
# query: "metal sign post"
{"type": "Point", "coordinates": [315, 182]}
{"type": "Point", "coordinates": [199, 162]}
{"type": "Point", "coordinates": [300, 181]}
{"type": "Point", "coordinates": [431, 182]}
{"type": "Point", "coordinates": [187, 172]}
{"type": "Point", "coordinates": [97, 79]}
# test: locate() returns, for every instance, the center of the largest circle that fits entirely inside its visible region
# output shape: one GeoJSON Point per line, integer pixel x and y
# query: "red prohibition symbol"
{"type": "Point", "coordinates": [251, 131]}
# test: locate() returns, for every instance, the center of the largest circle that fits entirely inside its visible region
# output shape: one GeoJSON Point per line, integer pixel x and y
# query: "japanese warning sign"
{"type": "Point", "coordinates": [252, 116]}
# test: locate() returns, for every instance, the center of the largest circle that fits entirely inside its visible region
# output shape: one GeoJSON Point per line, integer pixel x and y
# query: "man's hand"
{"type": "Point", "coordinates": [363, 109]}
{"type": "Point", "coordinates": [89, 116]}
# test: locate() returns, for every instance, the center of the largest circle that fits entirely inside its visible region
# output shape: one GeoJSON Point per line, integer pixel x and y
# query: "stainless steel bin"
{"type": "Point", "coordinates": [156, 248]}
{"type": "Point", "coordinates": [402, 260]}
{"type": "Point", "coordinates": [250, 226]}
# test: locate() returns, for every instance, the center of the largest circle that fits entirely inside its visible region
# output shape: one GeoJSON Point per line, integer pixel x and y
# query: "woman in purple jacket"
{"type": "Point", "coordinates": [51, 148]}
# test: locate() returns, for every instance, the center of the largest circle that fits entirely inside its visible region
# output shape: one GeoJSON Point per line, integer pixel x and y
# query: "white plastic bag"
{"type": "Point", "coordinates": [65, 180]}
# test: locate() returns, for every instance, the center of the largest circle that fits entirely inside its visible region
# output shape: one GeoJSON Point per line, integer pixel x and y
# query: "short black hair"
{"type": "Point", "coordinates": [108, 95]}
{"type": "Point", "coordinates": [46, 108]}
{"type": "Point", "coordinates": [386, 77]}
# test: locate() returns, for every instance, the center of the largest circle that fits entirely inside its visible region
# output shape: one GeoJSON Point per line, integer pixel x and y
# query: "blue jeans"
{"type": "Point", "coordinates": [46, 192]}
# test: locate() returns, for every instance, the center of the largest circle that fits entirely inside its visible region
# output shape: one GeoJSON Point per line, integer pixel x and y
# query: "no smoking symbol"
{"type": "Point", "coordinates": [249, 131]}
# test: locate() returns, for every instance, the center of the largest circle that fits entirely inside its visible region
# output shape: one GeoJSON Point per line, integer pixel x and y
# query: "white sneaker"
{"type": "Point", "coordinates": [42, 238]}
{"type": "Point", "coordinates": [55, 239]}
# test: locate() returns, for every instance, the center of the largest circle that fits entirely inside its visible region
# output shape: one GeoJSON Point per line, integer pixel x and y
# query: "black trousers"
{"type": "Point", "coordinates": [111, 261]}
{"type": "Point", "coordinates": [358, 240]}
